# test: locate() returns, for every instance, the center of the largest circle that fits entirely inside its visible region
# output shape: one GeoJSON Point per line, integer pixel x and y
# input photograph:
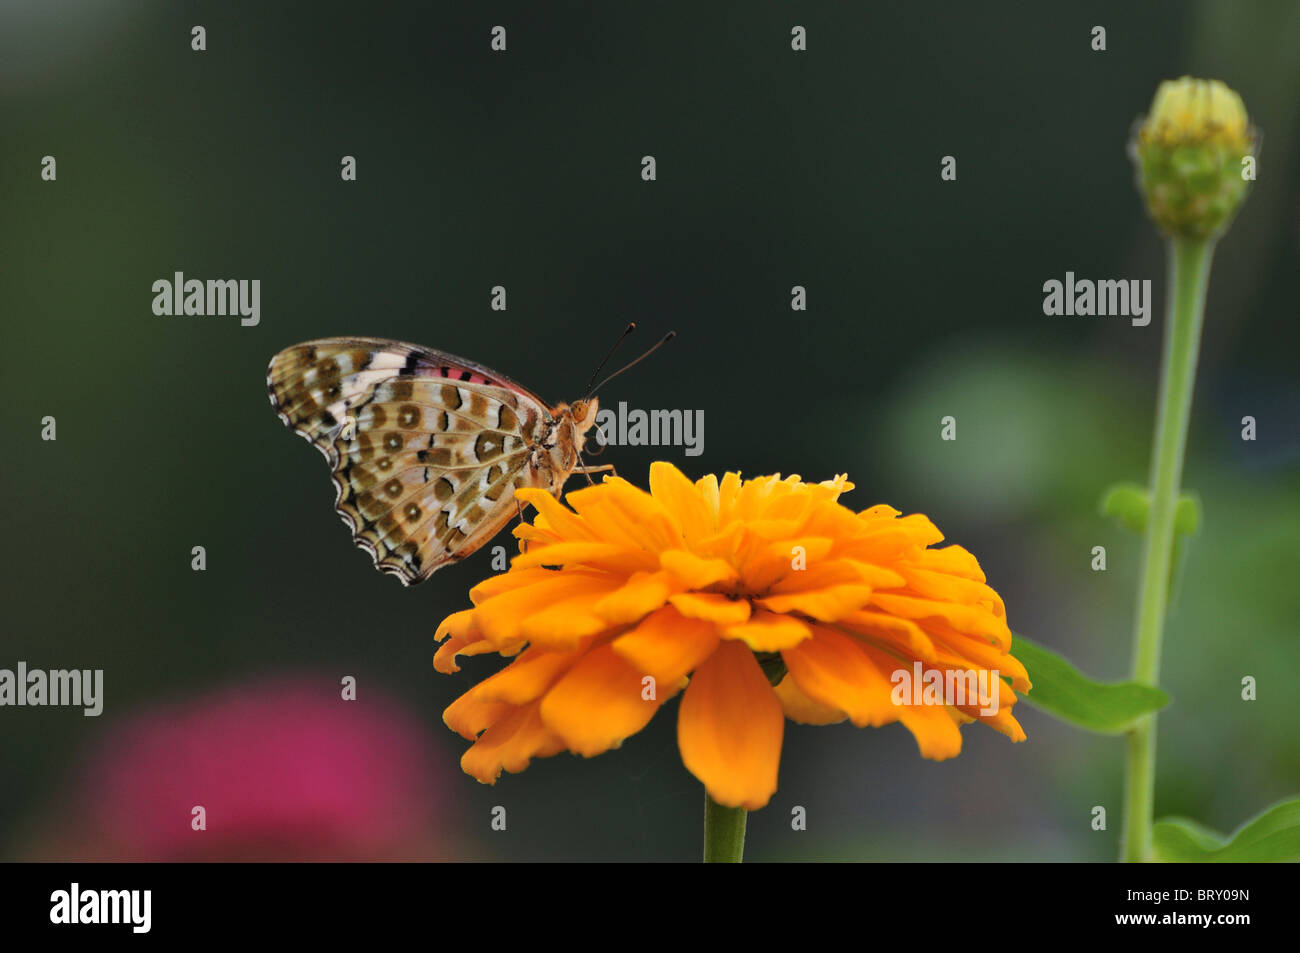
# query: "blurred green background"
{"type": "Point", "coordinates": [522, 169]}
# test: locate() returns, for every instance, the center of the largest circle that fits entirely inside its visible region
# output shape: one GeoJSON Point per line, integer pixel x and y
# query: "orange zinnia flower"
{"type": "Point", "coordinates": [763, 599]}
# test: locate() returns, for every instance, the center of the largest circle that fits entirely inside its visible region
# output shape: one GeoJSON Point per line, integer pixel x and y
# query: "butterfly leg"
{"type": "Point", "coordinates": [523, 542]}
{"type": "Point", "coordinates": [588, 471]}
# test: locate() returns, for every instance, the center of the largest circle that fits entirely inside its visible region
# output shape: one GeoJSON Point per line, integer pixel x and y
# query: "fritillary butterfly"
{"type": "Point", "coordinates": [426, 449]}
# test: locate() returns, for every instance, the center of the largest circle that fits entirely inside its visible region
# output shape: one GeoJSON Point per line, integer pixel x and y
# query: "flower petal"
{"type": "Point", "coordinates": [627, 515]}
{"type": "Point", "coordinates": [561, 625]}
{"type": "Point", "coordinates": [968, 619]}
{"type": "Point", "coordinates": [833, 669]}
{"type": "Point", "coordinates": [444, 660]}
{"type": "Point", "coordinates": [559, 519]}
{"type": "Point", "coordinates": [955, 561]}
{"type": "Point", "coordinates": [711, 607]}
{"type": "Point", "coordinates": [510, 743]}
{"type": "Point", "coordinates": [599, 702]}
{"type": "Point", "coordinates": [933, 726]}
{"type": "Point", "coordinates": [468, 716]}
{"type": "Point", "coordinates": [502, 583]}
{"type": "Point", "coordinates": [825, 605]}
{"type": "Point", "coordinates": [526, 678]}
{"type": "Point", "coordinates": [769, 564]}
{"type": "Point", "coordinates": [459, 625]}
{"type": "Point", "coordinates": [730, 727]}
{"type": "Point", "coordinates": [642, 594]}
{"type": "Point", "coordinates": [612, 557]}
{"type": "Point", "coordinates": [769, 632]}
{"type": "Point", "coordinates": [799, 707]}
{"type": "Point", "coordinates": [667, 644]}
{"type": "Point", "coordinates": [695, 572]}
{"type": "Point", "coordinates": [501, 618]}
{"type": "Point", "coordinates": [683, 499]}
{"type": "Point", "coordinates": [936, 732]}
{"type": "Point", "coordinates": [890, 631]}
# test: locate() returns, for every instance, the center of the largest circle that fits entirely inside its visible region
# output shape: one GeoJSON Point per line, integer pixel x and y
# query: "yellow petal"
{"type": "Point", "coordinates": [969, 619]}
{"type": "Point", "coordinates": [526, 678]}
{"type": "Point", "coordinates": [769, 632]}
{"type": "Point", "coordinates": [563, 624]}
{"type": "Point", "coordinates": [955, 561]}
{"type": "Point", "coordinates": [606, 556]}
{"type": "Point", "coordinates": [501, 618]}
{"type": "Point", "coordinates": [933, 726]}
{"type": "Point", "coordinates": [502, 583]}
{"type": "Point", "coordinates": [936, 733]}
{"type": "Point", "coordinates": [711, 607]}
{"type": "Point", "coordinates": [799, 707]}
{"type": "Point", "coordinates": [667, 644]}
{"type": "Point", "coordinates": [769, 564]}
{"type": "Point", "coordinates": [683, 499]}
{"type": "Point", "coordinates": [459, 625]}
{"type": "Point", "coordinates": [624, 514]}
{"type": "Point", "coordinates": [833, 669]}
{"type": "Point", "coordinates": [730, 727]}
{"type": "Point", "coordinates": [708, 487]}
{"type": "Point", "coordinates": [890, 631]}
{"type": "Point", "coordinates": [642, 594]}
{"type": "Point", "coordinates": [695, 572]}
{"type": "Point", "coordinates": [510, 743]}
{"type": "Point", "coordinates": [558, 518]}
{"type": "Point", "coordinates": [825, 605]}
{"type": "Point", "coordinates": [978, 653]}
{"type": "Point", "coordinates": [946, 588]}
{"type": "Point", "coordinates": [599, 702]}
{"type": "Point", "coordinates": [444, 660]}
{"type": "Point", "coordinates": [467, 715]}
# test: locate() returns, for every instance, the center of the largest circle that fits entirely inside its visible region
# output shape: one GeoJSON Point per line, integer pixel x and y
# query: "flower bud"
{"type": "Point", "coordinates": [1190, 153]}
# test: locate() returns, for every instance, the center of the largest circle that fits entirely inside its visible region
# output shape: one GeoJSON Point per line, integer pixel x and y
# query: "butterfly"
{"type": "Point", "coordinates": [426, 449]}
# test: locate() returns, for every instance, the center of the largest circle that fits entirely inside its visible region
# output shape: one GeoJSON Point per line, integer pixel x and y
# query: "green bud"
{"type": "Point", "coordinates": [1190, 153]}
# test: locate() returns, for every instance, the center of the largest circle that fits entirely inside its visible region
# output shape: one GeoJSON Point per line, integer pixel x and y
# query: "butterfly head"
{"type": "Point", "coordinates": [569, 435]}
{"type": "Point", "coordinates": [584, 413]}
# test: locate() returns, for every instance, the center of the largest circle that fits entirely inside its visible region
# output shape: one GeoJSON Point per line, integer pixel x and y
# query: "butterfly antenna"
{"type": "Point", "coordinates": [666, 338]}
{"type": "Point", "coordinates": [631, 326]}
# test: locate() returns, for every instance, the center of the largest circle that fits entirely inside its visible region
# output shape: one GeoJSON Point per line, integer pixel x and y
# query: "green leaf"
{"type": "Point", "coordinates": [1060, 689]}
{"type": "Point", "coordinates": [1130, 503]}
{"type": "Point", "coordinates": [1187, 515]}
{"type": "Point", "coordinates": [1272, 836]}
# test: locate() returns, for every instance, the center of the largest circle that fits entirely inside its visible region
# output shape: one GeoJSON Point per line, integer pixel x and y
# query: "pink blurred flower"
{"type": "Point", "coordinates": [284, 769]}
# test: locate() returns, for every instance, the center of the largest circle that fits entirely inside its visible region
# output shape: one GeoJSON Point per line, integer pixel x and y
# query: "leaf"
{"type": "Point", "coordinates": [1060, 689]}
{"type": "Point", "coordinates": [1272, 836]}
{"type": "Point", "coordinates": [1187, 515]}
{"type": "Point", "coordinates": [1130, 503]}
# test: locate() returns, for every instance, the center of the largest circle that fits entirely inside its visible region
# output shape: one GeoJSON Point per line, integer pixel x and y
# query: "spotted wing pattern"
{"type": "Point", "coordinates": [426, 448]}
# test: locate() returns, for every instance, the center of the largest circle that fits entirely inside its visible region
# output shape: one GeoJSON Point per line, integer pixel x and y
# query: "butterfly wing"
{"type": "Point", "coordinates": [426, 448]}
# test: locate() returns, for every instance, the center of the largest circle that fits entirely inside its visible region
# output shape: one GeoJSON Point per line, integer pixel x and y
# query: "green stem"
{"type": "Point", "coordinates": [1189, 272]}
{"type": "Point", "coordinates": [724, 832]}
